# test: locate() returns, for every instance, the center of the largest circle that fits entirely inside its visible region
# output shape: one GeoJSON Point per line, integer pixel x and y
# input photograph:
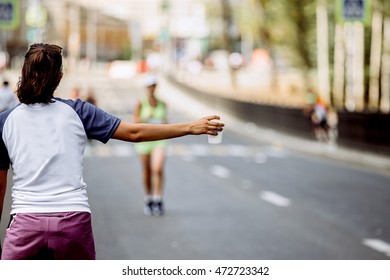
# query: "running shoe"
{"type": "Point", "coordinates": [158, 208]}
{"type": "Point", "coordinates": [148, 208]}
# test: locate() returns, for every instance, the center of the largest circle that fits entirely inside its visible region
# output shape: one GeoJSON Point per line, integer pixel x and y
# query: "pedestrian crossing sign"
{"type": "Point", "coordinates": [9, 14]}
{"type": "Point", "coordinates": [353, 11]}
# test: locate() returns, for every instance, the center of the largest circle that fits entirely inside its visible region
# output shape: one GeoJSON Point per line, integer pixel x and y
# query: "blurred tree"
{"type": "Point", "coordinates": [126, 49]}
{"type": "Point", "coordinates": [384, 104]}
{"type": "Point", "coordinates": [272, 29]}
{"type": "Point", "coordinates": [375, 57]}
{"type": "Point", "coordinates": [228, 36]}
{"type": "Point", "coordinates": [285, 28]}
{"type": "Point", "coordinates": [223, 34]}
{"type": "Point", "coordinates": [272, 25]}
{"type": "Point", "coordinates": [302, 39]}
{"type": "Point", "coordinates": [257, 21]}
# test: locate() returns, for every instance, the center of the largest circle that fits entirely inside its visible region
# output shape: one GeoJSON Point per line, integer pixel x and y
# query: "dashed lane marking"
{"type": "Point", "coordinates": [189, 152]}
{"type": "Point", "coordinates": [199, 150]}
{"type": "Point", "coordinates": [220, 171]}
{"type": "Point", "coordinates": [275, 199]}
{"type": "Point", "coordinates": [122, 150]}
{"type": "Point", "coordinates": [276, 151]}
{"type": "Point", "coordinates": [239, 150]}
{"type": "Point", "coordinates": [260, 158]}
{"type": "Point", "coordinates": [378, 245]}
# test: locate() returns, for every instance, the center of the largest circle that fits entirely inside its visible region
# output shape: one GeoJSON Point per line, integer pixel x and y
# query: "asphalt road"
{"type": "Point", "coordinates": [242, 199]}
{"type": "Point", "coordinates": [238, 200]}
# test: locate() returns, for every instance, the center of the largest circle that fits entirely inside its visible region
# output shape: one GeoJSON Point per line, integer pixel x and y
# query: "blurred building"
{"type": "Point", "coordinates": [107, 30]}
{"type": "Point", "coordinates": [69, 24]}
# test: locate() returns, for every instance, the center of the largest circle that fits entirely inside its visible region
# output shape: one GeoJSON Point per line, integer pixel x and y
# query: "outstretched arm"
{"type": "Point", "coordinates": [3, 187]}
{"type": "Point", "coordinates": [140, 132]}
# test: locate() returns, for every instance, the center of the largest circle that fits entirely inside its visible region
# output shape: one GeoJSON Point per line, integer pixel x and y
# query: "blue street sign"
{"type": "Point", "coordinates": [353, 11]}
{"type": "Point", "coordinates": [9, 14]}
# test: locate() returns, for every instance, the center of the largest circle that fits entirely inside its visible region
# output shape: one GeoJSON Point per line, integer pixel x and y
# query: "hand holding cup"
{"type": "Point", "coordinates": [216, 139]}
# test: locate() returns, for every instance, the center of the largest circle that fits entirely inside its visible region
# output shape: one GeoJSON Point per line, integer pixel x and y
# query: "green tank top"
{"type": "Point", "coordinates": [150, 114]}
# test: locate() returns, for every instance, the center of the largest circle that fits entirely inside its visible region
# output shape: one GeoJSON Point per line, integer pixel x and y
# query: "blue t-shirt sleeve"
{"type": "Point", "coordinates": [98, 124]}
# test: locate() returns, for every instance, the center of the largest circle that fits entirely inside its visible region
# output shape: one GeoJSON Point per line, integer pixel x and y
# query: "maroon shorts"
{"type": "Point", "coordinates": [45, 236]}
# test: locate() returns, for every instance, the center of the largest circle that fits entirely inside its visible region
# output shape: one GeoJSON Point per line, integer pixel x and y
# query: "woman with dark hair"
{"type": "Point", "coordinates": [43, 140]}
{"type": "Point", "coordinates": [37, 84]}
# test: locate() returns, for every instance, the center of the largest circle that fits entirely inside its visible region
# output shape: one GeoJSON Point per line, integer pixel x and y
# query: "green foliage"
{"type": "Point", "coordinates": [301, 14]}
{"type": "Point", "coordinates": [125, 51]}
{"type": "Point", "coordinates": [280, 24]}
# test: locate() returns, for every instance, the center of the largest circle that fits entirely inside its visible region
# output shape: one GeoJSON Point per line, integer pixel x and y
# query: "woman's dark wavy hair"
{"type": "Point", "coordinates": [41, 74]}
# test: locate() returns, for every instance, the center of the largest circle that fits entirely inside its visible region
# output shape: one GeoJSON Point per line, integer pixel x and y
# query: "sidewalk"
{"type": "Point", "coordinates": [358, 158]}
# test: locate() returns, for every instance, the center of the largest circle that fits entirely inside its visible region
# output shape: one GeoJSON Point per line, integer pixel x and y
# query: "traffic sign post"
{"type": "Point", "coordinates": [354, 15]}
{"type": "Point", "coordinates": [9, 14]}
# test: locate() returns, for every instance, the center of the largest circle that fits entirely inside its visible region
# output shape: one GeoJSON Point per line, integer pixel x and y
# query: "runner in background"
{"type": "Point", "coordinates": [150, 109]}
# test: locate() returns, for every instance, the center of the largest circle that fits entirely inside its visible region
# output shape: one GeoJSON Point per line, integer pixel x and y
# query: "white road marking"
{"type": "Point", "coordinates": [103, 151]}
{"type": "Point", "coordinates": [378, 245]}
{"type": "Point", "coordinates": [275, 199]}
{"type": "Point", "coordinates": [220, 171]}
{"type": "Point", "coordinates": [189, 158]}
{"type": "Point", "coordinates": [238, 150]}
{"type": "Point", "coordinates": [260, 158]}
{"type": "Point", "coordinates": [256, 154]}
{"type": "Point", "coordinates": [276, 151]}
{"type": "Point", "coordinates": [199, 150]}
{"type": "Point", "coordinates": [178, 149]}
{"type": "Point", "coordinates": [123, 150]}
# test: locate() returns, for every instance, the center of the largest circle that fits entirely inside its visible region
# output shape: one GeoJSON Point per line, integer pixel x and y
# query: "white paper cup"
{"type": "Point", "coordinates": [218, 138]}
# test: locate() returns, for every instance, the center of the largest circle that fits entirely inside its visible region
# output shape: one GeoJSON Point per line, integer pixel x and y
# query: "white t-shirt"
{"type": "Point", "coordinates": [44, 144]}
